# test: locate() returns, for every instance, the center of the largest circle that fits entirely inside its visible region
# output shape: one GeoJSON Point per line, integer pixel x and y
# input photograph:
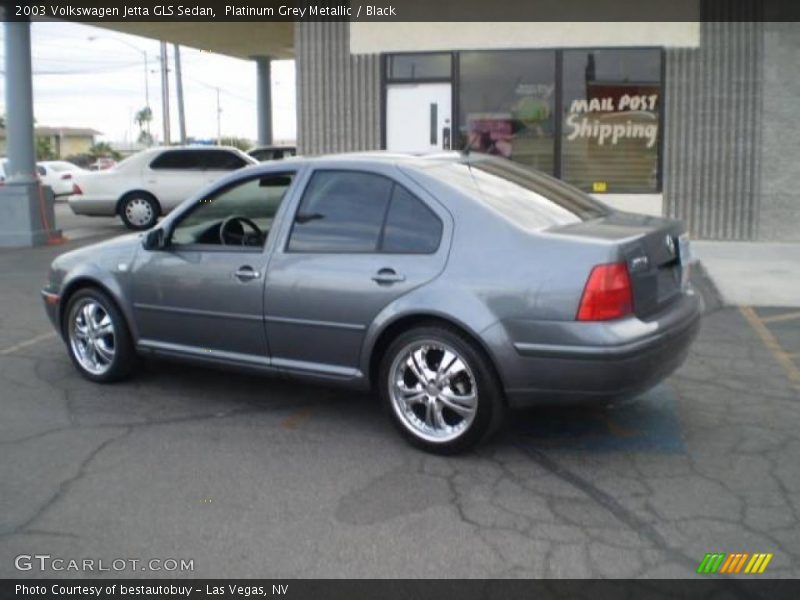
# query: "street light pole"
{"type": "Point", "coordinates": [165, 92]}
{"type": "Point", "coordinates": [179, 90]}
{"type": "Point", "coordinates": [219, 121]}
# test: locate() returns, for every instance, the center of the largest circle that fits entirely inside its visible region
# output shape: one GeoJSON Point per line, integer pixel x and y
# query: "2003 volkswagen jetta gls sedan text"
{"type": "Point", "coordinates": [453, 285]}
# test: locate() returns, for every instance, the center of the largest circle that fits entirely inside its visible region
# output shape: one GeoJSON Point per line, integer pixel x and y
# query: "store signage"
{"type": "Point", "coordinates": [611, 119]}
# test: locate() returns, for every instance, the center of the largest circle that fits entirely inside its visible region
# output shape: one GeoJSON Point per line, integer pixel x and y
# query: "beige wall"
{"type": "Point", "coordinates": [375, 37]}
{"type": "Point", "coordinates": [73, 145]}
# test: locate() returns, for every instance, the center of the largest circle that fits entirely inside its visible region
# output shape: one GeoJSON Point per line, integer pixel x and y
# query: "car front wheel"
{"type": "Point", "coordinates": [98, 339]}
{"type": "Point", "coordinates": [440, 390]}
{"type": "Point", "coordinates": [139, 211]}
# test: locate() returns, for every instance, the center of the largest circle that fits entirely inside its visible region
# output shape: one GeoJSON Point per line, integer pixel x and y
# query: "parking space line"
{"type": "Point", "coordinates": [791, 316]}
{"type": "Point", "coordinates": [26, 343]}
{"type": "Point", "coordinates": [772, 344]}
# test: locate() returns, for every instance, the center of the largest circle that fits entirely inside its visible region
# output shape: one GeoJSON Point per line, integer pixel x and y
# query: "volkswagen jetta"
{"type": "Point", "coordinates": [454, 286]}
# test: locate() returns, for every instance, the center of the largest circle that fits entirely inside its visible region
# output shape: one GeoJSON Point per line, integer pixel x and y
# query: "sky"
{"type": "Point", "coordinates": [100, 83]}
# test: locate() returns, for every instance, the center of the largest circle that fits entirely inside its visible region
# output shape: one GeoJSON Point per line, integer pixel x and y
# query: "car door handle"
{"type": "Point", "coordinates": [246, 274]}
{"type": "Point", "coordinates": [388, 276]}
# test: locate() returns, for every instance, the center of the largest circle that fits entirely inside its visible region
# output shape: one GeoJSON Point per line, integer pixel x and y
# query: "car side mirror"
{"type": "Point", "coordinates": [155, 239]}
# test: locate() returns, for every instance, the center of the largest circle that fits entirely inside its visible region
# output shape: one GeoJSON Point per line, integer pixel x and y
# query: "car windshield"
{"type": "Point", "coordinates": [530, 199]}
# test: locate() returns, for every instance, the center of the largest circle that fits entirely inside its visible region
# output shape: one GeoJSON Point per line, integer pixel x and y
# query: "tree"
{"type": "Point", "coordinates": [143, 119]}
{"type": "Point", "coordinates": [44, 149]}
{"type": "Point", "coordinates": [104, 150]}
{"type": "Point", "coordinates": [241, 143]}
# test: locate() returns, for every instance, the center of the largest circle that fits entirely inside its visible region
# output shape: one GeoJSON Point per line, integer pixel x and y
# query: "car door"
{"type": "Point", "coordinates": [358, 241]}
{"type": "Point", "coordinates": [202, 294]}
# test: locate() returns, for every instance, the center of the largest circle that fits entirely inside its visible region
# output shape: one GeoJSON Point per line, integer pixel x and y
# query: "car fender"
{"type": "Point", "coordinates": [92, 274]}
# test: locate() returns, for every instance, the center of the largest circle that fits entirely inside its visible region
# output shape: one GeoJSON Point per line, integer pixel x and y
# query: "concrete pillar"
{"type": "Point", "coordinates": [26, 207]}
{"type": "Point", "coordinates": [19, 103]}
{"type": "Point", "coordinates": [264, 99]}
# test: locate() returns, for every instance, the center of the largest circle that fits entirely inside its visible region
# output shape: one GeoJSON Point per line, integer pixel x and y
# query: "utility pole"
{"type": "Point", "coordinates": [179, 88]}
{"type": "Point", "coordinates": [147, 94]}
{"type": "Point", "coordinates": [219, 121]}
{"type": "Point", "coordinates": [165, 92]}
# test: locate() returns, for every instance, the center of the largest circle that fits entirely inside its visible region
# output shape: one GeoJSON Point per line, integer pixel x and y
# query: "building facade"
{"type": "Point", "coordinates": [690, 120]}
{"type": "Point", "coordinates": [63, 141]}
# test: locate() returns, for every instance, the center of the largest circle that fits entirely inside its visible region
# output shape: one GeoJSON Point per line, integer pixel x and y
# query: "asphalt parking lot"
{"type": "Point", "coordinates": [253, 477]}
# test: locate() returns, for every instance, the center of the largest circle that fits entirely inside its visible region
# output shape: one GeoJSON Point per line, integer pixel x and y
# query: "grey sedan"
{"type": "Point", "coordinates": [455, 286]}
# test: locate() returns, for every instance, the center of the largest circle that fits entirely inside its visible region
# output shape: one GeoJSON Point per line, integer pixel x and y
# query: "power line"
{"type": "Point", "coordinates": [220, 88]}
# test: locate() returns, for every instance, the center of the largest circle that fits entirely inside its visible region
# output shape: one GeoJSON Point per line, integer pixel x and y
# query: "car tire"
{"type": "Point", "coordinates": [139, 211]}
{"type": "Point", "coordinates": [97, 336]}
{"type": "Point", "coordinates": [427, 379]}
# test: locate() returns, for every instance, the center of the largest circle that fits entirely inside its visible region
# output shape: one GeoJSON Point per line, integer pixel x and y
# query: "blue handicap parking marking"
{"type": "Point", "coordinates": [649, 423]}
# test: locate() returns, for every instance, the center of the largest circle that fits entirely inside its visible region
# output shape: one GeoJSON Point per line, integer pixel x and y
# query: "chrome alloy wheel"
{"type": "Point", "coordinates": [92, 336]}
{"type": "Point", "coordinates": [139, 212]}
{"type": "Point", "coordinates": [433, 391]}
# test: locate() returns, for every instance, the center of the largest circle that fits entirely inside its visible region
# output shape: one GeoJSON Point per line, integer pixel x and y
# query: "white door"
{"type": "Point", "coordinates": [418, 117]}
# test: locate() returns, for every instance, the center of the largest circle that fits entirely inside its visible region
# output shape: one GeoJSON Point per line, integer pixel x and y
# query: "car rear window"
{"type": "Point", "coordinates": [530, 199]}
{"type": "Point", "coordinates": [219, 160]}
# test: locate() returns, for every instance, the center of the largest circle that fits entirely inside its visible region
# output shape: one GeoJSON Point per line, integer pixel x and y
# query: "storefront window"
{"type": "Point", "coordinates": [419, 66]}
{"type": "Point", "coordinates": [507, 105]}
{"type": "Point", "coordinates": [610, 127]}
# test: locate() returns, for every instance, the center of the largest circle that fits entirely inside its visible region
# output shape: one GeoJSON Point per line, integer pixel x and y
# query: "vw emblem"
{"type": "Point", "coordinates": [670, 243]}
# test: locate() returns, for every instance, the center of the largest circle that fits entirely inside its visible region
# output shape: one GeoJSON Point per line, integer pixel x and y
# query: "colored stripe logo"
{"type": "Point", "coordinates": [735, 563]}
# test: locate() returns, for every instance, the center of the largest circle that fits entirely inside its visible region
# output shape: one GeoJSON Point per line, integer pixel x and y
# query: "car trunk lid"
{"type": "Point", "coordinates": [654, 249]}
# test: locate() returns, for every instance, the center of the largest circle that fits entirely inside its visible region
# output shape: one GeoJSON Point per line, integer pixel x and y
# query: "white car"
{"type": "Point", "coordinates": [58, 174]}
{"type": "Point", "coordinates": [152, 182]}
{"type": "Point", "coordinates": [3, 163]}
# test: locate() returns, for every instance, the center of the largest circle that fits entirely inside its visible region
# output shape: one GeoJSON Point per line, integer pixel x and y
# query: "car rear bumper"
{"type": "Point", "coordinates": [585, 362]}
{"type": "Point", "coordinates": [93, 206]}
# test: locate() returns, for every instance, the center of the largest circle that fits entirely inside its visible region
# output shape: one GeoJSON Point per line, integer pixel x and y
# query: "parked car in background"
{"type": "Point", "coordinates": [454, 286]}
{"type": "Point", "coordinates": [265, 153]}
{"type": "Point", "coordinates": [58, 174]}
{"type": "Point", "coordinates": [151, 183]}
{"type": "Point", "coordinates": [3, 163]}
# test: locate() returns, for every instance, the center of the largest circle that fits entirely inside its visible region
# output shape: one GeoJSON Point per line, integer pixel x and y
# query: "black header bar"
{"type": "Point", "coordinates": [402, 10]}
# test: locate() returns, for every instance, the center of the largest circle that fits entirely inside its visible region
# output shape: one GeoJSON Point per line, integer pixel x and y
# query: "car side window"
{"type": "Point", "coordinates": [182, 160]}
{"type": "Point", "coordinates": [219, 160]}
{"type": "Point", "coordinates": [341, 211]}
{"type": "Point", "coordinates": [240, 215]}
{"type": "Point", "coordinates": [41, 170]}
{"type": "Point", "coordinates": [411, 227]}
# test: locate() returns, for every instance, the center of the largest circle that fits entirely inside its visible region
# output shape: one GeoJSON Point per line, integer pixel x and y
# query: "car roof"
{"type": "Point", "coordinates": [190, 147]}
{"type": "Point", "coordinates": [384, 157]}
{"type": "Point", "coordinates": [377, 158]}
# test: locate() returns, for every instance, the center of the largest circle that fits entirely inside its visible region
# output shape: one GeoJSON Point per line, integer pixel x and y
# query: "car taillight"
{"type": "Point", "coordinates": [76, 189]}
{"type": "Point", "coordinates": [607, 295]}
{"type": "Point", "coordinates": [66, 176]}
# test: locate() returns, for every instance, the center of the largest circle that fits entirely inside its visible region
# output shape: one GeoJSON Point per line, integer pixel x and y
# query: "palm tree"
{"type": "Point", "coordinates": [142, 119]}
